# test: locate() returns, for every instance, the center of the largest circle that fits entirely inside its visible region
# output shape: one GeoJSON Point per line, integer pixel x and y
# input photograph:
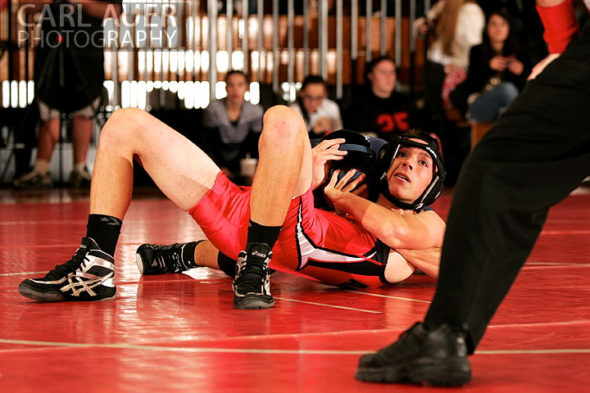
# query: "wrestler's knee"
{"type": "Point", "coordinates": [122, 126]}
{"type": "Point", "coordinates": [282, 125]}
{"type": "Point", "coordinates": [129, 117]}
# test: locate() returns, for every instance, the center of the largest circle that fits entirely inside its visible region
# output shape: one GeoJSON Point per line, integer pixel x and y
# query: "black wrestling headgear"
{"type": "Point", "coordinates": [388, 153]}
{"type": "Point", "coordinates": [360, 154]}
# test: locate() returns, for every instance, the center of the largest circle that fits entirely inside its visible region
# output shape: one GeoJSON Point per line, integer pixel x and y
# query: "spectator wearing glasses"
{"type": "Point", "coordinates": [321, 115]}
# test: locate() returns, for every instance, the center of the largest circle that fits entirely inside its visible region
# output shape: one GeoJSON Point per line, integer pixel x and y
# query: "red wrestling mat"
{"type": "Point", "coordinates": [175, 333]}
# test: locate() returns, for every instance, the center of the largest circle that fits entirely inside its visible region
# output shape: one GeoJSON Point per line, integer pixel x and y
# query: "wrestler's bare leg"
{"type": "Point", "coordinates": [284, 171]}
{"type": "Point", "coordinates": [206, 254]}
{"type": "Point", "coordinates": [285, 167]}
{"type": "Point", "coordinates": [179, 168]}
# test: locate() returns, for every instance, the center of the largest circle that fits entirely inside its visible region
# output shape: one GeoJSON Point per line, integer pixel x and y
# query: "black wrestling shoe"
{"type": "Point", "coordinates": [437, 357]}
{"type": "Point", "coordinates": [252, 282]}
{"type": "Point", "coordinates": [160, 259]}
{"type": "Point", "coordinates": [89, 275]}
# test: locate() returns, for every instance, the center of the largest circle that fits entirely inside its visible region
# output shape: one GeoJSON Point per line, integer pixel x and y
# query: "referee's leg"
{"type": "Point", "coordinates": [535, 155]}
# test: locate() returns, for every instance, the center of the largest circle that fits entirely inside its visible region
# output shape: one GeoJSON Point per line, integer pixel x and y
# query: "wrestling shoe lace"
{"type": "Point", "coordinates": [252, 281]}
{"type": "Point", "coordinates": [88, 276]}
{"type": "Point", "coordinates": [68, 267]}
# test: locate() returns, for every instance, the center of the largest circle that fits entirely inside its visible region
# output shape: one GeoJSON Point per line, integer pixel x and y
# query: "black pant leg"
{"type": "Point", "coordinates": [535, 155]}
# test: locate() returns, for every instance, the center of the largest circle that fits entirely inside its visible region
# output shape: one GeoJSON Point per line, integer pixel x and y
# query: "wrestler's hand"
{"type": "Point", "coordinates": [540, 66]}
{"type": "Point", "coordinates": [322, 153]}
{"type": "Point", "coordinates": [336, 189]}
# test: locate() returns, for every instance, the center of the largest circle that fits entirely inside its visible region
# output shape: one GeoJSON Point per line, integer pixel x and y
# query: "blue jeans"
{"type": "Point", "coordinates": [490, 105]}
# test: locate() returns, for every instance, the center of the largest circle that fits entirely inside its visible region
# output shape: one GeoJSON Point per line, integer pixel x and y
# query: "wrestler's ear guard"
{"type": "Point", "coordinates": [387, 155]}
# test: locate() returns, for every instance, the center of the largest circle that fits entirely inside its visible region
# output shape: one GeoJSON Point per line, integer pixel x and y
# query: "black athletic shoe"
{"type": "Point", "coordinates": [252, 282]}
{"type": "Point", "coordinates": [160, 259]}
{"type": "Point", "coordinates": [437, 357]}
{"type": "Point", "coordinates": [89, 275]}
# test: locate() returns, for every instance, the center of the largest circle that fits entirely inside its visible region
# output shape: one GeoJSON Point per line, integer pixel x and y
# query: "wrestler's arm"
{"type": "Point", "coordinates": [401, 263]}
{"type": "Point", "coordinates": [426, 259]}
{"type": "Point", "coordinates": [396, 228]}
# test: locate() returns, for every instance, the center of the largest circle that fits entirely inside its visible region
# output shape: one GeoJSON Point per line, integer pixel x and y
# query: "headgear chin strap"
{"type": "Point", "coordinates": [387, 156]}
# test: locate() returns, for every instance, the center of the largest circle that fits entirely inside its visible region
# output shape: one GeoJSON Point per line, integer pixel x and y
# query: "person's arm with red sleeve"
{"type": "Point", "coordinates": [560, 25]}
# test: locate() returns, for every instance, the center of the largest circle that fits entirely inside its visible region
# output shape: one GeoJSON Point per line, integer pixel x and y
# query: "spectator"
{"type": "Point", "coordinates": [232, 126]}
{"type": "Point", "coordinates": [497, 72]}
{"type": "Point", "coordinates": [457, 25]}
{"type": "Point", "coordinates": [380, 109]}
{"type": "Point", "coordinates": [321, 115]}
{"type": "Point", "coordinates": [69, 76]}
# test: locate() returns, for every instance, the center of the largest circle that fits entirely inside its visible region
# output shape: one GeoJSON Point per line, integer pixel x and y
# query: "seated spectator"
{"type": "Point", "coordinates": [497, 72]}
{"type": "Point", "coordinates": [457, 26]}
{"type": "Point", "coordinates": [232, 126]}
{"type": "Point", "coordinates": [321, 115]}
{"type": "Point", "coordinates": [380, 109]}
{"type": "Point", "coordinates": [69, 76]}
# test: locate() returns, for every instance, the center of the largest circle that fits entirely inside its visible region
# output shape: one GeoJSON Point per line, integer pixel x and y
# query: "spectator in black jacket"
{"type": "Point", "coordinates": [497, 72]}
{"type": "Point", "coordinates": [380, 110]}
